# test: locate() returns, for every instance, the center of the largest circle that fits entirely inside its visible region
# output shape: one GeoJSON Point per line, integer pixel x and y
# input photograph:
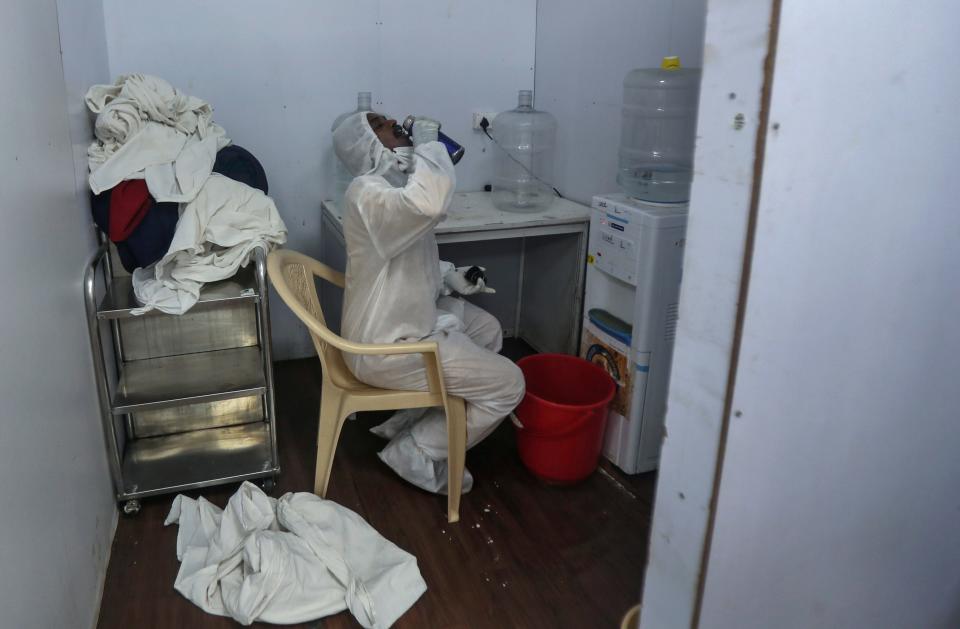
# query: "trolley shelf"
{"type": "Point", "coordinates": [198, 458]}
{"type": "Point", "coordinates": [189, 378]}
{"type": "Point", "coordinates": [119, 299]}
{"type": "Point", "coordinates": [185, 401]}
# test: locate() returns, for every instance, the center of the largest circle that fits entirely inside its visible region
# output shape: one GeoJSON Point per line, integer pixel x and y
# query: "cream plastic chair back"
{"type": "Point", "coordinates": [292, 275]}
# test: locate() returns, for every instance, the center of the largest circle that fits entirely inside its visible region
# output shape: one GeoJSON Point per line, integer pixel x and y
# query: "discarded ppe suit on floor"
{"type": "Point", "coordinates": [393, 294]}
{"type": "Point", "coordinates": [147, 129]}
{"type": "Point", "coordinates": [215, 236]}
{"type": "Point", "coordinates": [289, 561]}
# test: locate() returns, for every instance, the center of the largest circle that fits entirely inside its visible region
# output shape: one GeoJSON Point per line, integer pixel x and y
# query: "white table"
{"type": "Point", "coordinates": [536, 261]}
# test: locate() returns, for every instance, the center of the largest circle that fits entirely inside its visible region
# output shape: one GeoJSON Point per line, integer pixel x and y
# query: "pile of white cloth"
{"type": "Point", "coordinates": [147, 129]}
{"type": "Point", "coordinates": [215, 236]}
{"type": "Point", "coordinates": [290, 560]}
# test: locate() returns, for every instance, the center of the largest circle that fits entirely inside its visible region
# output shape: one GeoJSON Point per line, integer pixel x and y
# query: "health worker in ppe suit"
{"type": "Point", "coordinates": [398, 290]}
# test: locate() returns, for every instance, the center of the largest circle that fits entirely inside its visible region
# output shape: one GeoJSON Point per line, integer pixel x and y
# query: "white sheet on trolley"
{"type": "Point", "coordinates": [289, 560]}
{"type": "Point", "coordinates": [215, 236]}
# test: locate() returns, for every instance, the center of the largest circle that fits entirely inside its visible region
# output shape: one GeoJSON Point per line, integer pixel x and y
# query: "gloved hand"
{"type": "Point", "coordinates": [456, 280]}
{"type": "Point", "coordinates": [424, 130]}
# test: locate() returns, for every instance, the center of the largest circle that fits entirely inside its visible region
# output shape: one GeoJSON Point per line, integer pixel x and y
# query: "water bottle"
{"type": "Point", "coordinates": [523, 160]}
{"type": "Point", "coordinates": [342, 176]}
{"type": "Point", "coordinates": [658, 132]}
{"type": "Point", "coordinates": [454, 149]}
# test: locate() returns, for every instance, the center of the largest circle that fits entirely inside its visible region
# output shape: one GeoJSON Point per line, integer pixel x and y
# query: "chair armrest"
{"type": "Point", "coordinates": [350, 347]}
{"type": "Point", "coordinates": [381, 349]}
{"type": "Point", "coordinates": [428, 350]}
{"type": "Point", "coordinates": [323, 271]}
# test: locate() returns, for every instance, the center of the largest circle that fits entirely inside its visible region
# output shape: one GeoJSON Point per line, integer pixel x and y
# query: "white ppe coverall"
{"type": "Point", "coordinates": [394, 293]}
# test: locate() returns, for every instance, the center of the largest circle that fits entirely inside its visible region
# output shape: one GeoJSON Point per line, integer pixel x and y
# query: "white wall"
{"type": "Point", "coordinates": [737, 35]}
{"type": "Point", "coordinates": [584, 51]}
{"type": "Point", "coordinates": [58, 513]}
{"type": "Point", "coordinates": [279, 73]}
{"type": "Point", "coordinates": [839, 504]}
{"type": "Point", "coordinates": [83, 43]}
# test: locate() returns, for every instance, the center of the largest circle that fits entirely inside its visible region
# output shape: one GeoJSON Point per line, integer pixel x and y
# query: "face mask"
{"type": "Point", "coordinates": [388, 166]}
{"type": "Point", "coordinates": [404, 156]}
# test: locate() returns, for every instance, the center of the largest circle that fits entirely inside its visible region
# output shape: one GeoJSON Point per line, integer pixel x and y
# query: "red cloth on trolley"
{"type": "Point", "coordinates": [129, 203]}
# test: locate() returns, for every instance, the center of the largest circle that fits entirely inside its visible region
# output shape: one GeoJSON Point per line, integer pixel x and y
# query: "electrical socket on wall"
{"type": "Point", "coordinates": [480, 115]}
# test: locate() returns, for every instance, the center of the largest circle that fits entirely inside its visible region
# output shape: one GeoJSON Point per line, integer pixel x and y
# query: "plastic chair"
{"type": "Point", "coordinates": [292, 274]}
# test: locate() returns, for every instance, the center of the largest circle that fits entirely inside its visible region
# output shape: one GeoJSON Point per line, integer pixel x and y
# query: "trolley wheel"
{"type": "Point", "coordinates": [269, 484]}
{"type": "Point", "coordinates": [131, 507]}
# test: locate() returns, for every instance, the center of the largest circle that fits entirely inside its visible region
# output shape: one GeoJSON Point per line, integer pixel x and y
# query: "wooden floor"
{"type": "Point", "coordinates": [524, 554]}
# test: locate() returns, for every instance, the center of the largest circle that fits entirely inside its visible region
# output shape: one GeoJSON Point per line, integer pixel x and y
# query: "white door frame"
{"type": "Point", "coordinates": [740, 42]}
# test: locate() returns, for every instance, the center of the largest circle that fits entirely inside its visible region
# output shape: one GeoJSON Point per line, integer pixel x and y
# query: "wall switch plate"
{"type": "Point", "coordinates": [480, 115]}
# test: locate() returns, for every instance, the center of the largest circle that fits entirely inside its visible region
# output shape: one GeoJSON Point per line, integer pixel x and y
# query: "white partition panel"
{"type": "Point", "coordinates": [839, 501]}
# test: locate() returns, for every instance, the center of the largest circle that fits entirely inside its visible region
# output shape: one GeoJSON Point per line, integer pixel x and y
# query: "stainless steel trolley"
{"type": "Point", "coordinates": [186, 401]}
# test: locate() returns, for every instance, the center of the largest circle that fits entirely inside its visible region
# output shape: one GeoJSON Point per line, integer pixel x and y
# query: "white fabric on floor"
{"type": "Point", "coordinates": [215, 236]}
{"type": "Point", "coordinates": [290, 560]}
{"type": "Point", "coordinates": [147, 129]}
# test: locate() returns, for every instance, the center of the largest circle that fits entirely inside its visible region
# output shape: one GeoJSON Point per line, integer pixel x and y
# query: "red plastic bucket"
{"type": "Point", "coordinates": [561, 420]}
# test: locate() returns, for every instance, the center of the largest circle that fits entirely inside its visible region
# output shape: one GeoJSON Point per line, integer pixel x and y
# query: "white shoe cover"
{"type": "Point", "coordinates": [398, 422]}
{"type": "Point", "coordinates": [413, 465]}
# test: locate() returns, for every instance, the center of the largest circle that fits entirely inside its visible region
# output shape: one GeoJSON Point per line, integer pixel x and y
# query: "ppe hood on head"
{"type": "Point", "coordinates": [362, 152]}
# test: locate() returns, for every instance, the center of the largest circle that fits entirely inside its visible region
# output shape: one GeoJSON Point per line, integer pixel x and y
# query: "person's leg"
{"type": "Point", "coordinates": [400, 420]}
{"type": "Point", "coordinates": [482, 327]}
{"type": "Point", "coordinates": [492, 387]}
{"type": "Point", "coordinates": [491, 384]}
